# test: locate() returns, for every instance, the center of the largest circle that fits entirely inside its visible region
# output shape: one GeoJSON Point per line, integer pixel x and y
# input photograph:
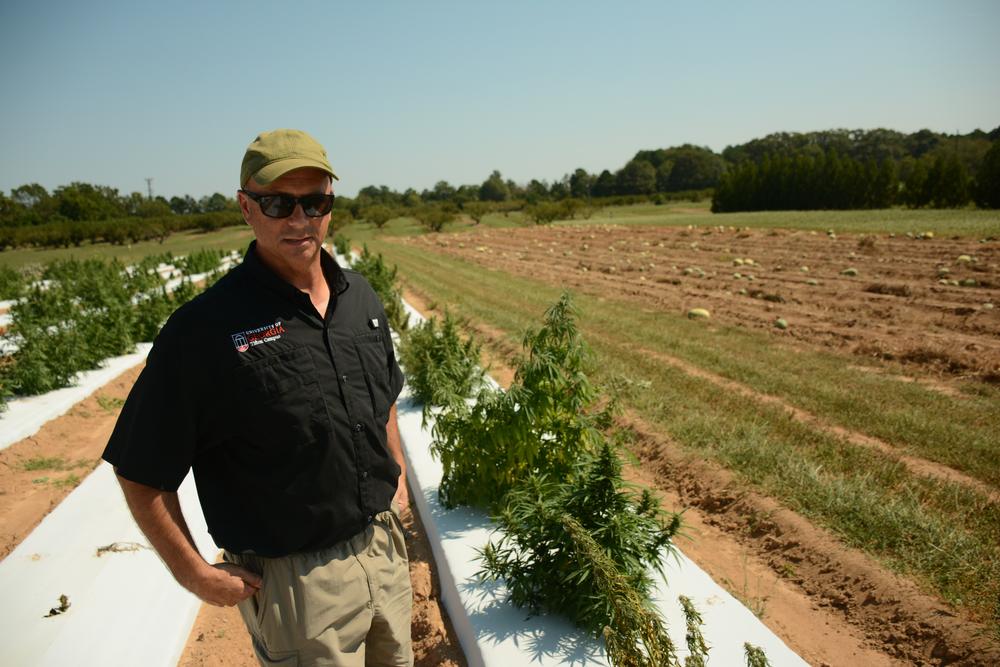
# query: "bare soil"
{"type": "Point", "coordinates": [896, 306]}
{"type": "Point", "coordinates": [831, 604]}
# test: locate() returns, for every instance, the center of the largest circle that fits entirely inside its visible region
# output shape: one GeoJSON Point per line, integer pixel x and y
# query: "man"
{"type": "Point", "coordinates": [277, 386]}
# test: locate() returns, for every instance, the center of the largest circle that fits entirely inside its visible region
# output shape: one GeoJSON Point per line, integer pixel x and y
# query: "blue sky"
{"type": "Point", "coordinates": [406, 94]}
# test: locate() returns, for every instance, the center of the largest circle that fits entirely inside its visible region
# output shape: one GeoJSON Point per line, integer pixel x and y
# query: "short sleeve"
{"type": "Point", "coordinates": [155, 439]}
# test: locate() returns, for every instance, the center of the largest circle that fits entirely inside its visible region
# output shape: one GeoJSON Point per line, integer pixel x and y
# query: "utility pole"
{"type": "Point", "coordinates": [149, 187]}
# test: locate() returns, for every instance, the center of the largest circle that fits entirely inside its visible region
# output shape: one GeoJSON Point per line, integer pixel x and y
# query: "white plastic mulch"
{"type": "Point", "coordinates": [125, 608]}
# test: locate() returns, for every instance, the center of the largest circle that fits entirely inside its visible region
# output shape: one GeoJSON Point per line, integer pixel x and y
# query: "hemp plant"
{"type": "Point", "coordinates": [441, 367]}
{"type": "Point", "coordinates": [383, 281]}
{"type": "Point", "coordinates": [543, 424]}
{"type": "Point", "coordinates": [574, 539]}
{"type": "Point", "coordinates": [548, 567]}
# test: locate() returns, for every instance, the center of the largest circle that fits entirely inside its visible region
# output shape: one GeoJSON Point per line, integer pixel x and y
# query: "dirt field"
{"type": "Point", "coordinates": [932, 303]}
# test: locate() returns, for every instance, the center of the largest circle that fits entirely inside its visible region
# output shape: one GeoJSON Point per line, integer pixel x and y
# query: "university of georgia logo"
{"type": "Point", "coordinates": [244, 340]}
{"type": "Point", "coordinates": [240, 341]}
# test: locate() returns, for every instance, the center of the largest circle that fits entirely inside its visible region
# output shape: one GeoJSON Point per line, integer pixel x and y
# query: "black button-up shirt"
{"type": "Point", "coordinates": [281, 413]}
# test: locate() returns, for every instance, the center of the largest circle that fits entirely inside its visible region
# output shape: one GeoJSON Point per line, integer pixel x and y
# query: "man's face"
{"type": "Point", "coordinates": [289, 245]}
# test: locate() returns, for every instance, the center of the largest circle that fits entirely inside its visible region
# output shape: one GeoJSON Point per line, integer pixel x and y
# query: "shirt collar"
{"type": "Point", "coordinates": [335, 276]}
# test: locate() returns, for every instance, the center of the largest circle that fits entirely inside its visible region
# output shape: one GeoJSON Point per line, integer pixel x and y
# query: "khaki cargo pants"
{"type": "Point", "coordinates": [345, 606]}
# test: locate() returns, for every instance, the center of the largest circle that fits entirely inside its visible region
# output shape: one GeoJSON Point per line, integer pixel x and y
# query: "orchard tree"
{"type": "Point", "coordinates": [476, 210]}
{"type": "Point", "coordinates": [494, 188]}
{"type": "Point", "coordinates": [435, 216]}
{"type": "Point", "coordinates": [378, 215]}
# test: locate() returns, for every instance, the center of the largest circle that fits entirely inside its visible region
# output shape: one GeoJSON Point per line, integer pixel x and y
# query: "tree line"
{"type": "Point", "coordinates": [32, 204]}
{"type": "Point", "coordinates": [876, 169]}
{"type": "Point", "coordinates": [82, 212]}
{"type": "Point", "coordinates": [832, 169]}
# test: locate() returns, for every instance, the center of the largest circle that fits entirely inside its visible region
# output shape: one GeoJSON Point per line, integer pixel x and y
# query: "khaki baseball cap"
{"type": "Point", "coordinates": [275, 153]}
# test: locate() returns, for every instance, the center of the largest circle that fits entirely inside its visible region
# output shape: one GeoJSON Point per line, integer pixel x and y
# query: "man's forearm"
{"type": "Point", "coordinates": [159, 516]}
{"type": "Point", "coordinates": [396, 450]}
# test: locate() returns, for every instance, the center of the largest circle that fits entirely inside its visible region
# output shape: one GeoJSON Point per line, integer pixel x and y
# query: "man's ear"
{"type": "Point", "coordinates": [244, 203]}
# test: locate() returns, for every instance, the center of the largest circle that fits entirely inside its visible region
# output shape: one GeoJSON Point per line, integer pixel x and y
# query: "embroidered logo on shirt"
{"type": "Point", "coordinates": [253, 337]}
{"type": "Point", "coordinates": [240, 341]}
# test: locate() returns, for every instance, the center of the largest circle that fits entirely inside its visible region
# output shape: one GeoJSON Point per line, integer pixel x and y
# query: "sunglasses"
{"type": "Point", "coordinates": [282, 206]}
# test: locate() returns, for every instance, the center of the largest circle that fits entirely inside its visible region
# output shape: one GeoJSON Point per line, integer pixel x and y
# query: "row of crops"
{"type": "Point", "coordinates": [69, 315]}
{"type": "Point", "coordinates": [543, 458]}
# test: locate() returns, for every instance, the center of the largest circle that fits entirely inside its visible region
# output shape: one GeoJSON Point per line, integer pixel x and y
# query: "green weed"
{"type": "Point", "coordinates": [110, 403]}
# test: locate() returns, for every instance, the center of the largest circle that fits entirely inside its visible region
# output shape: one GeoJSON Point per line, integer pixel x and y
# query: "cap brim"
{"type": "Point", "coordinates": [274, 170]}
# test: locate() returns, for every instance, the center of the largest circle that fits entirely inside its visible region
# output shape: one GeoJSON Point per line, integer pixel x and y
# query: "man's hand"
{"type": "Point", "coordinates": [158, 514]}
{"type": "Point", "coordinates": [226, 584]}
{"type": "Point", "coordinates": [402, 496]}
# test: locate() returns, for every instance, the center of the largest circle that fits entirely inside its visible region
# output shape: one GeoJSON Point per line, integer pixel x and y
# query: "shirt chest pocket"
{"type": "Point", "coordinates": [371, 352]}
{"type": "Point", "coordinates": [278, 401]}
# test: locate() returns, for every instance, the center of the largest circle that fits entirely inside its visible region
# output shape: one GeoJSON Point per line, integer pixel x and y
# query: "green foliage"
{"type": "Point", "coordinates": [434, 216]}
{"type": "Point", "coordinates": [544, 213]}
{"type": "Point", "coordinates": [61, 233]}
{"type": "Point", "coordinates": [200, 261]}
{"type": "Point", "coordinates": [83, 316]}
{"type": "Point", "coordinates": [697, 647]}
{"type": "Point", "coordinates": [632, 623]}
{"type": "Point", "coordinates": [339, 218]}
{"type": "Point", "coordinates": [987, 188]}
{"type": "Point", "coordinates": [476, 210]}
{"type": "Point", "coordinates": [755, 656]}
{"type": "Point", "coordinates": [83, 312]}
{"type": "Point", "coordinates": [804, 182]}
{"type": "Point", "coordinates": [378, 215]}
{"type": "Point", "coordinates": [342, 245]}
{"type": "Point", "coordinates": [383, 281]}
{"type": "Point", "coordinates": [441, 368]}
{"type": "Point", "coordinates": [12, 283]}
{"type": "Point", "coordinates": [637, 178]}
{"type": "Point", "coordinates": [544, 424]}
{"type": "Point", "coordinates": [547, 567]}
{"type": "Point", "coordinates": [684, 167]}
{"type": "Point", "coordinates": [494, 188]}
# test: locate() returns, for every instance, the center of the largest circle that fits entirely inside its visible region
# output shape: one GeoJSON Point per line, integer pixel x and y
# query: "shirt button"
{"type": "Point", "coordinates": [343, 379]}
{"type": "Point", "coordinates": [370, 517]}
{"type": "Point", "coordinates": [357, 427]}
{"type": "Point", "coordinates": [364, 474]}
